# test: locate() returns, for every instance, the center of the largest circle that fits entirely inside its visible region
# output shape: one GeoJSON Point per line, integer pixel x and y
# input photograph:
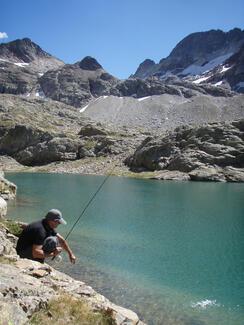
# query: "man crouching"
{"type": "Point", "coordinates": [35, 235]}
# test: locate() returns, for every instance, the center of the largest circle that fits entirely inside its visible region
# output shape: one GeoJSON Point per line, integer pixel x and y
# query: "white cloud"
{"type": "Point", "coordinates": [3, 35]}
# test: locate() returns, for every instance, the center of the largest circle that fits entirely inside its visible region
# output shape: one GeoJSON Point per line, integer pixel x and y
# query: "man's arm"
{"type": "Point", "coordinates": [65, 246]}
{"type": "Point", "coordinates": [37, 252]}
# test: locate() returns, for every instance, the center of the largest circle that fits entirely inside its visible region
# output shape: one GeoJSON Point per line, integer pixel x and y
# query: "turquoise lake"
{"type": "Point", "coordinates": [171, 251]}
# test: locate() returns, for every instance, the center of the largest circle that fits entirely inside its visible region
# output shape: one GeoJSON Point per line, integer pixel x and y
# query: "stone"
{"type": "Point", "coordinates": [3, 208]}
{"type": "Point", "coordinates": [11, 313]}
{"type": "Point", "coordinates": [91, 130]}
{"type": "Point", "coordinates": [234, 174]}
{"type": "Point", "coordinates": [207, 174]}
{"type": "Point", "coordinates": [7, 189]}
{"type": "Point", "coordinates": [7, 245]}
{"type": "Point", "coordinates": [172, 175]}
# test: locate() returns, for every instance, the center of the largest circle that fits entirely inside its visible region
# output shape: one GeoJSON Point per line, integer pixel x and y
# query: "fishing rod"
{"type": "Point", "coordinates": [95, 194]}
{"type": "Point", "coordinates": [90, 201]}
{"type": "Point", "coordinates": [87, 205]}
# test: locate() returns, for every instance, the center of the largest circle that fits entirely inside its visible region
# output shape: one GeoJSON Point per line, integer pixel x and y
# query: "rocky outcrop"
{"type": "Point", "coordinates": [3, 208]}
{"type": "Point", "coordinates": [210, 152]}
{"type": "Point", "coordinates": [76, 84]}
{"type": "Point", "coordinates": [7, 189]}
{"type": "Point", "coordinates": [27, 286]}
{"type": "Point", "coordinates": [138, 88]}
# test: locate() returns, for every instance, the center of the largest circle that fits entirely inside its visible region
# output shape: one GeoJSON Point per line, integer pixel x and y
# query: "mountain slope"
{"type": "Point", "coordinates": [196, 55]}
{"type": "Point", "coordinates": [22, 62]}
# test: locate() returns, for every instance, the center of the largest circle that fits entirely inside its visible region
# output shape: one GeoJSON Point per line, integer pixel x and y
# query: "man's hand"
{"type": "Point", "coordinates": [72, 258]}
{"type": "Point", "coordinates": [57, 251]}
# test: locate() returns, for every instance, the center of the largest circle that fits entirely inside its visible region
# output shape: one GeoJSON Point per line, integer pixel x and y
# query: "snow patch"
{"type": "Point", "coordinates": [197, 69]}
{"type": "Point", "coordinates": [143, 98]}
{"type": "Point", "coordinates": [40, 94]}
{"type": "Point", "coordinates": [83, 108]}
{"type": "Point", "coordinates": [224, 69]}
{"type": "Point", "coordinates": [20, 64]}
{"type": "Point", "coordinates": [40, 74]}
{"type": "Point", "coordinates": [2, 68]}
{"type": "Point", "coordinates": [218, 83]}
{"type": "Point", "coordinates": [198, 81]}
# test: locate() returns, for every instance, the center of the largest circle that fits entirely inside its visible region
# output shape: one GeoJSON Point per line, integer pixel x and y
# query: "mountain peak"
{"type": "Point", "coordinates": [22, 50]}
{"type": "Point", "coordinates": [89, 63]}
{"type": "Point", "coordinates": [144, 67]}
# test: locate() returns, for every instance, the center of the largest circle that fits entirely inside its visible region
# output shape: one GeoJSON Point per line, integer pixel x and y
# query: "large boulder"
{"type": "Point", "coordinates": [7, 189]}
{"type": "Point", "coordinates": [20, 137]}
{"type": "Point", "coordinates": [57, 149]}
{"type": "Point", "coordinates": [198, 150]}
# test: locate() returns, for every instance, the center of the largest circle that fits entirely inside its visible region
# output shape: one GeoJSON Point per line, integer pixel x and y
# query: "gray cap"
{"type": "Point", "coordinates": [50, 244]}
{"type": "Point", "coordinates": [55, 215]}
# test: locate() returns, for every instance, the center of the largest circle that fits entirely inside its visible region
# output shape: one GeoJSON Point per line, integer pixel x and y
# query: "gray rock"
{"type": "Point", "coordinates": [3, 208]}
{"type": "Point", "coordinates": [20, 137]}
{"type": "Point", "coordinates": [57, 149]}
{"type": "Point", "coordinates": [7, 242]}
{"type": "Point", "coordinates": [7, 189]}
{"type": "Point", "coordinates": [91, 130]}
{"type": "Point", "coordinates": [234, 174]}
{"type": "Point", "coordinates": [202, 152]}
{"type": "Point", "coordinates": [207, 174]}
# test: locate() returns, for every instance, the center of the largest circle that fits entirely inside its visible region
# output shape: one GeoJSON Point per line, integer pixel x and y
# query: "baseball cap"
{"type": "Point", "coordinates": [55, 215]}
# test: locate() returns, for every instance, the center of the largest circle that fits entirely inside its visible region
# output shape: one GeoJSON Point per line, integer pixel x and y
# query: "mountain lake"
{"type": "Point", "coordinates": [173, 252]}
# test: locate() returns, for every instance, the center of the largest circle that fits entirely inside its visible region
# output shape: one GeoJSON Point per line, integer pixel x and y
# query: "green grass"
{"type": "Point", "coordinates": [90, 144]}
{"type": "Point", "coordinates": [12, 226]}
{"type": "Point", "coordinates": [67, 310]}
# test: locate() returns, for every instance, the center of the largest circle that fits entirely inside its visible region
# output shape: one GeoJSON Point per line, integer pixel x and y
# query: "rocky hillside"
{"type": "Point", "coordinates": [37, 132]}
{"type": "Point", "coordinates": [158, 113]}
{"type": "Point", "coordinates": [209, 152]}
{"type": "Point", "coordinates": [27, 288]}
{"type": "Point", "coordinates": [197, 55]}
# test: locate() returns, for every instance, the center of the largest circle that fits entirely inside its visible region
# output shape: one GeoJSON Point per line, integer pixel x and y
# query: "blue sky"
{"type": "Point", "coordinates": [120, 34]}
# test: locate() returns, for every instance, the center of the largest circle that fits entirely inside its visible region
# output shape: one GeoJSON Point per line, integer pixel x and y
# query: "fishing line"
{"type": "Point", "coordinates": [89, 202]}
{"type": "Point", "coordinates": [97, 191]}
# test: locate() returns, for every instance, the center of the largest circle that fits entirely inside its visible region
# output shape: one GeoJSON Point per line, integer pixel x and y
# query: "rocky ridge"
{"type": "Point", "coordinates": [25, 69]}
{"type": "Point", "coordinates": [201, 58]}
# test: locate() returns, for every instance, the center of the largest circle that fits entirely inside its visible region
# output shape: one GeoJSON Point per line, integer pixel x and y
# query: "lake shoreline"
{"type": "Point", "coordinates": [114, 166]}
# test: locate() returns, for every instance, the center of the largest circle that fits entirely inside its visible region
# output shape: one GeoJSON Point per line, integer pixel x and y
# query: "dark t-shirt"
{"type": "Point", "coordinates": [34, 234]}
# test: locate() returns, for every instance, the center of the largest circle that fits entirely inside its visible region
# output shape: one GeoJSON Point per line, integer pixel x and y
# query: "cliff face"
{"type": "Point", "coordinates": [27, 286]}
